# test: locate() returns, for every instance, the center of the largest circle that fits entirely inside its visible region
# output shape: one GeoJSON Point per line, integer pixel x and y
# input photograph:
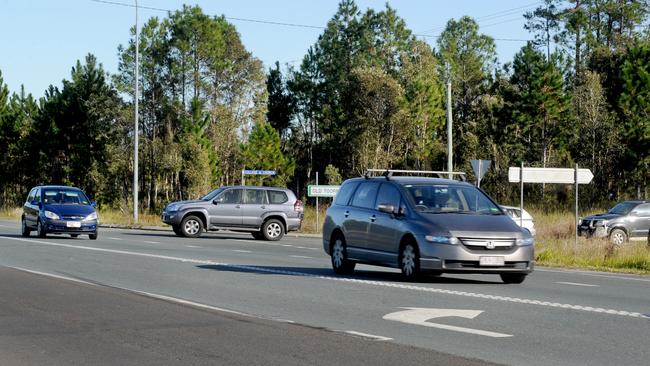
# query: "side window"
{"type": "Point", "coordinates": [255, 196]}
{"type": "Point", "coordinates": [37, 196]}
{"type": "Point", "coordinates": [31, 195]}
{"type": "Point", "coordinates": [365, 195]}
{"type": "Point", "coordinates": [643, 210]}
{"type": "Point", "coordinates": [277, 197]}
{"type": "Point", "coordinates": [343, 197]}
{"type": "Point", "coordinates": [388, 195]}
{"type": "Point", "coordinates": [231, 196]}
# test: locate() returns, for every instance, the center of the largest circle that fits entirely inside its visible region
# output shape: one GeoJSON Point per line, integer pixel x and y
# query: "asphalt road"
{"type": "Point", "coordinates": [555, 317]}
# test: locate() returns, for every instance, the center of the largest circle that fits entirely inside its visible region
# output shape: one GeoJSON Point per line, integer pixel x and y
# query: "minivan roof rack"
{"type": "Point", "coordinates": [393, 172]}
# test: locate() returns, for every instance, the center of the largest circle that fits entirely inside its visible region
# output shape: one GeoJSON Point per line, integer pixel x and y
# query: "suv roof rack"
{"type": "Point", "coordinates": [392, 172]}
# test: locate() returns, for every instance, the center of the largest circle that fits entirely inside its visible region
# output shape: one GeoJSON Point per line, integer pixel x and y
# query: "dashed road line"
{"type": "Point", "coordinates": [241, 251]}
{"type": "Point", "coordinates": [301, 256]}
{"type": "Point", "coordinates": [432, 290]}
{"type": "Point", "coordinates": [577, 284]}
{"type": "Point", "coordinates": [109, 237]}
{"type": "Point", "coordinates": [192, 246]}
{"type": "Point", "coordinates": [151, 242]}
{"type": "Point", "coordinates": [366, 335]}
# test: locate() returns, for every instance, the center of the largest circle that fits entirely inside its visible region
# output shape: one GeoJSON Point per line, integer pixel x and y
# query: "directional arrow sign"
{"type": "Point", "coordinates": [419, 316]}
{"type": "Point", "coordinates": [550, 175]}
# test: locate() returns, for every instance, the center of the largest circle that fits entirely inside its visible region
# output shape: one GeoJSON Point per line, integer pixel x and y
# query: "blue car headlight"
{"type": "Point", "coordinates": [525, 242]}
{"type": "Point", "coordinates": [51, 215]}
{"type": "Point", "coordinates": [91, 217]}
{"type": "Point", "coordinates": [440, 239]}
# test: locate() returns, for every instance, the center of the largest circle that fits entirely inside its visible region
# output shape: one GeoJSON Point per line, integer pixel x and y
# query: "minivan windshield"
{"type": "Point", "coordinates": [64, 196]}
{"type": "Point", "coordinates": [210, 196]}
{"type": "Point", "coordinates": [622, 208]}
{"type": "Point", "coordinates": [449, 198]}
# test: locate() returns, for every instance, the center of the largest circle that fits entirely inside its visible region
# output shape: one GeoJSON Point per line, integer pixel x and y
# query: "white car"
{"type": "Point", "coordinates": [515, 214]}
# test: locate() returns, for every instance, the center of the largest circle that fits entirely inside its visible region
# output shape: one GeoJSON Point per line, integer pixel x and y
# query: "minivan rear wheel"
{"type": "Point", "coordinates": [339, 255]}
{"type": "Point", "coordinates": [513, 277]}
{"type": "Point", "coordinates": [409, 261]}
{"type": "Point", "coordinates": [191, 226]}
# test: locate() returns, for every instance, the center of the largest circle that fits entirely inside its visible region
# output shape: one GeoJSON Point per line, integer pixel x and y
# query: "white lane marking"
{"type": "Point", "coordinates": [301, 256]}
{"type": "Point", "coordinates": [109, 237]}
{"type": "Point", "coordinates": [192, 246]}
{"type": "Point", "coordinates": [151, 242]}
{"type": "Point", "coordinates": [54, 276]}
{"type": "Point", "coordinates": [577, 284]}
{"type": "Point", "coordinates": [349, 280]}
{"type": "Point", "coordinates": [369, 336]}
{"type": "Point", "coordinates": [8, 227]}
{"type": "Point", "coordinates": [592, 274]}
{"type": "Point", "coordinates": [420, 316]}
{"type": "Point", "coordinates": [241, 251]}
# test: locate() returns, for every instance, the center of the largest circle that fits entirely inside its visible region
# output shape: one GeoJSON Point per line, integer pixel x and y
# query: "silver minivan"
{"type": "Point", "coordinates": [421, 224]}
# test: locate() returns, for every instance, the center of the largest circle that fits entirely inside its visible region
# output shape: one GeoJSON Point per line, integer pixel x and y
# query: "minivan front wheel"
{"type": "Point", "coordinates": [24, 229]}
{"type": "Point", "coordinates": [40, 230]}
{"type": "Point", "coordinates": [191, 227]}
{"type": "Point", "coordinates": [409, 261]}
{"type": "Point", "coordinates": [339, 254]}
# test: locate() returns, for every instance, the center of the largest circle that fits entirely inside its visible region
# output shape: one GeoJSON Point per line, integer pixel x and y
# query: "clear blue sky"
{"type": "Point", "coordinates": [40, 40]}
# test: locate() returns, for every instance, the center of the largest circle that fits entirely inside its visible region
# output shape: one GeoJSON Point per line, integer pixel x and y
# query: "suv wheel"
{"type": "Point", "coordinates": [513, 277]}
{"type": "Point", "coordinates": [24, 230]}
{"type": "Point", "coordinates": [339, 254]}
{"type": "Point", "coordinates": [273, 230]}
{"type": "Point", "coordinates": [191, 227]}
{"type": "Point", "coordinates": [409, 261]}
{"type": "Point", "coordinates": [40, 230]}
{"type": "Point", "coordinates": [617, 237]}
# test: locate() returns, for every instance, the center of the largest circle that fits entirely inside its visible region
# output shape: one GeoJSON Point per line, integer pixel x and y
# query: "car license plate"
{"type": "Point", "coordinates": [491, 261]}
{"type": "Point", "coordinates": [75, 224]}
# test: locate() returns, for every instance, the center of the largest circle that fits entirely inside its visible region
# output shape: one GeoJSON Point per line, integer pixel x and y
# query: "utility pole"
{"type": "Point", "coordinates": [450, 122]}
{"type": "Point", "coordinates": [136, 133]}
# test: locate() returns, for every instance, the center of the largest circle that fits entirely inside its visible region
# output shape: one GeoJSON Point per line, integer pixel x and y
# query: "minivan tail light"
{"type": "Point", "coordinates": [297, 206]}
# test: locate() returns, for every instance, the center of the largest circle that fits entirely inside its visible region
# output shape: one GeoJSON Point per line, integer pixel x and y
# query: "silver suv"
{"type": "Point", "coordinates": [421, 224]}
{"type": "Point", "coordinates": [266, 212]}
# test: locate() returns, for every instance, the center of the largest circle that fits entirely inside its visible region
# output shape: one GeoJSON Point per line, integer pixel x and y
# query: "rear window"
{"type": "Point", "coordinates": [365, 195]}
{"type": "Point", "coordinates": [343, 196]}
{"type": "Point", "coordinates": [277, 197]}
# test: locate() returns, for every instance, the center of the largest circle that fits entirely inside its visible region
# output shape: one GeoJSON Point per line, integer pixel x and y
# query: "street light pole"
{"type": "Point", "coordinates": [450, 151]}
{"type": "Point", "coordinates": [136, 133]}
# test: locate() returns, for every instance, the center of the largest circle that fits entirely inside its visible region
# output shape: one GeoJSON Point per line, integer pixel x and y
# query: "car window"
{"type": "Point", "coordinates": [622, 208]}
{"type": "Point", "coordinates": [231, 196]}
{"type": "Point", "coordinates": [388, 195]}
{"type": "Point", "coordinates": [365, 195]}
{"type": "Point", "coordinates": [64, 196]}
{"type": "Point", "coordinates": [277, 197]}
{"type": "Point", "coordinates": [643, 210]}
{"type": "Point", "coordinates": [255, 196]}
{"type": "Point", "coordinates": [37, 195]}
{"type": "Point", "coordinates": [441, 198]}
{"type": "Point", "coordinates": [343, 196]}
{"type": "Point", "coordinates": [30, 197]}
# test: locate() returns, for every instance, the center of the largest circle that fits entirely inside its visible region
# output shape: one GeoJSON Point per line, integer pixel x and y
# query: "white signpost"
{"type": "Point", "coordinates": [321, 191]}
{"type": "Point", "coordinates": [549, 175]}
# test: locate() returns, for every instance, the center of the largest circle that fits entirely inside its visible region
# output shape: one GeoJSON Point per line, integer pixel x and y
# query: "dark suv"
{"type": "Point", "coordinates": [424, 224]}
{"type": "Point", "coordinates": [59, 210]}
{"type": "Point", "coordinates": [266, 212]}
{"type": "Point", "coordinates": [628, 219]}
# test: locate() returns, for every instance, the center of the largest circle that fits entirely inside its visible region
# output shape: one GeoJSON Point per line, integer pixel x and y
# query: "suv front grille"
{"type": "Point", "coordinates": [482, 244]}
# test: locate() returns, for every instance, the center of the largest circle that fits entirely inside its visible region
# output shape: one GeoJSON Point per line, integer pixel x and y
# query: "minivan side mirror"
{"type": "Point", "coordinates": [215, 201]}
{"type": "Point", "coordinates": [387, 208]}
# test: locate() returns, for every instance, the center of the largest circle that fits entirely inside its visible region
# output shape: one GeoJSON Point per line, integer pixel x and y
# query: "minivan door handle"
{"type": "Point", "coordinates": [237, 206]}
{"type": "Point", "coordinates": [373, 218]}
{"type": "Point", "coordinates": [346, 214]}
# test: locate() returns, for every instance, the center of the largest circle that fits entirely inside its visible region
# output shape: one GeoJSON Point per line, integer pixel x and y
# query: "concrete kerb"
{"type": "Point", "coordinates": [168, 228]}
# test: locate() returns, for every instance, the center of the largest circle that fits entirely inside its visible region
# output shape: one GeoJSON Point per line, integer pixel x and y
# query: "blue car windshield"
{"type": "Point", "coordinates": [64, 196]}
{"type": "Point", "coordinates": [444, 198]}
{"type": "Point", "coordinates": [210, 196]}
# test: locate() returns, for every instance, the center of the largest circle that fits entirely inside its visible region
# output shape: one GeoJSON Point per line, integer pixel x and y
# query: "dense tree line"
{"type": "Point", "coordinates": [368, 94]}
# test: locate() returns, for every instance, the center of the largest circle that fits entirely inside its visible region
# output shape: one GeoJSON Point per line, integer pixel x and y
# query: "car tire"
{"type": "Point", "coordinates": [618, 237]}
{"type": "Point", "coordinates": [93, 236]}
{"type": "Point", "coordinates": [177, 230]}
{"type": "Point", "coordinates": [74, 235]}
{"type": "Point", "coordinates": [191, 226]}
{"type": "Point", "coordinates": [25, 231]}
{"type": "Point", "coordinates": [513, 278]}
{"type": "Point", "coordinates": [409, 261]}
{"type": "Point", "coordinates": [273, 230]}
{"type": "Point", "coordinates": [258, 235]}
{"type": "Point", "coordinates": [41, 232]}
{"type": "Point", "coordinates": [339, 256]}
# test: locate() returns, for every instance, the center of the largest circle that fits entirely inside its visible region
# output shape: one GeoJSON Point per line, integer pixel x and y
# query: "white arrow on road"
{"type": "Point", "coordinates": [419, 316]}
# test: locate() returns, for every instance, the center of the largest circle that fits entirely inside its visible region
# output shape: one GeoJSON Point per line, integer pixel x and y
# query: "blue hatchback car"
{"type": "Point", "coordinates": [59, 210]}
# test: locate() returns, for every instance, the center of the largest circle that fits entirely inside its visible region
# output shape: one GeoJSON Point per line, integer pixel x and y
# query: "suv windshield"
{"type": "Point", "coordinates": [622, 208]}
{"type": "Point", "coordinates": [64, 196]}
{"type": "Point", "coordinates": [210, 196]}
{"type": "Point", "coordinates": [445, 198]}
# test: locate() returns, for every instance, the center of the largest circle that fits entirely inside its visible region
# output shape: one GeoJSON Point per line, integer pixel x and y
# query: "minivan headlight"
{"type": "Point", "coordinates": [91, 217]}
{"type": "Point", "coordinates": [525, 241]}
{"type": "Point", "coordinates": [442, 239]}
{"type": "Point", "coordinates": [51, 215]}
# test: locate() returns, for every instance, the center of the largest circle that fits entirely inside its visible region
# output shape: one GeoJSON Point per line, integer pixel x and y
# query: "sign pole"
{"type": "Point", "coordinates": [521, 195]}
{"type": "Point", "coordinates": [317, 205]}
{"type": "Point", "coordinates": [576, 226]}
{"type": "Point", "coordinates": [242, 178]}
